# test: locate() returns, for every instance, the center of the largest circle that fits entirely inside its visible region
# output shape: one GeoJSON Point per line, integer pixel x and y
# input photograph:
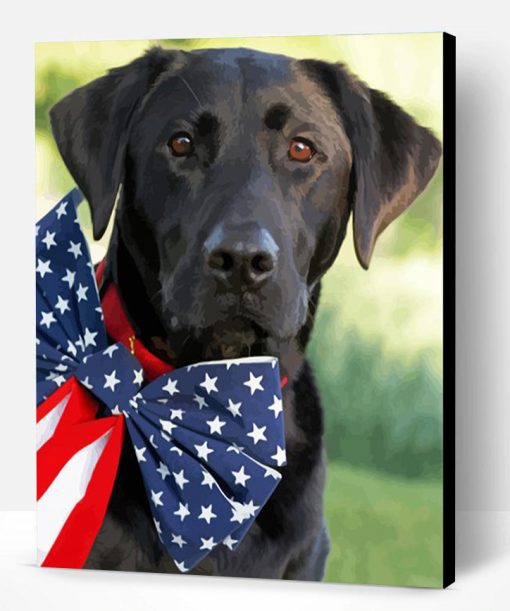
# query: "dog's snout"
{"type": "Point", "coordinates": [240, 257]}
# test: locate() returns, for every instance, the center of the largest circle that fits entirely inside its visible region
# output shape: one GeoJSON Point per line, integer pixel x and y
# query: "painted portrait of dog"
{"type": "Point", "coordinates": [252, 209]}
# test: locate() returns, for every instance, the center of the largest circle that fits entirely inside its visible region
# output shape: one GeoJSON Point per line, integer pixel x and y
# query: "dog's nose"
{"type": "Point", "coordinates": [237, 257]}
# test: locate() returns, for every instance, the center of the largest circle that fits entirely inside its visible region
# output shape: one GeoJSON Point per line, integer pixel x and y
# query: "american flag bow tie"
{"type": "Point", "coordinates": [208, 438]}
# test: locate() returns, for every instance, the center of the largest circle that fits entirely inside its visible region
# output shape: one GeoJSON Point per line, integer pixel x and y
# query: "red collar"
{"type": "Point", "coordinates": [120, 330]}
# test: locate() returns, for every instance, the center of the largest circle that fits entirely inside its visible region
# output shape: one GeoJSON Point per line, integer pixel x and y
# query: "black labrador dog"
{"type": "Point", "coordinates": [235, 173]}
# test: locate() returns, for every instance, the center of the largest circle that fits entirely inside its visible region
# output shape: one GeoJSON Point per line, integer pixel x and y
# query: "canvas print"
{"type": "Point", "coordinates": [240, 252]}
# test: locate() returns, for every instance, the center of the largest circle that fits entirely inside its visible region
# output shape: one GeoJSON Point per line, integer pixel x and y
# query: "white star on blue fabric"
{"type": "Point", "coordinates": [111, 380]}
{"type": "Point", "coordinates": [163, 470]}
{"type": "Point", "coordinates": [208, 479]}
{"type": "Point", "coordinates": [203, 451]}
{"type": "Point", "coordinates": [207, 514]}
{"type": "Point", "coordinates": [183, 511]}
{"type": "Point", "coordinates": [171, 387]}
{"type": "Point", "coordinates": [43, 267]}
{"type": "Point", "coordinates": [81, 293]}
{"type": "Point", "coordinates": [75, 249]}
{"type": "Point", "coordinates": [208, 544]}
{"type": "Point", "coordinates": [49, 239]}
{"type": "Point", "coordinates": [234, 408]}
{"type": "Point", "coordinates": [215, 425]}
{"type": "Point", "coordinates": [200, 400]}
{"type": "Point", "coordinates": [257, 433]}
{"type": "Point", "coordinates": [61, 210]}
{"type": "Point", "coordinates": [47, 319]}
{"type": "Point", "coordinates": [110, 350]}
{"type": "Point", "coordinates": [140, 454]}
{"type": "Point", "coordinates": [62, 305]}
{"type": "Point", "coordinates": [254, 383]}
{"type": "Point", "coordinates": [89, 337]}
{"type": "Point", "coordinates": [138, 379]}
{"type": "Point", "coordinates": [209, 384]}
{"type": "Point", "coordinates": [276, 406]}
{"type": "Point", "coordinates": [180, 480]}
{"type": "Point", "coordinates": [240, 476]}
{"type": "Point", "coordinates": [167, 425]}
{"type": "Point", "coordinates": [69, 278]}
{"type": "Point", "coordinates": [156, 498]}
{"type": "Point", "coordinates": [178, 540]}
{"type": "Point", "coordinates": [181, 566]}
{"type": "Point", "coordinates": [229, 542]}
{"type": "Point", "coordinates": [279, 456]}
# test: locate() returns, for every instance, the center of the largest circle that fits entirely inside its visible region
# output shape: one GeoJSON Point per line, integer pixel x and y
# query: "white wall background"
{"type": "Point", "coordinates": [483, 208]}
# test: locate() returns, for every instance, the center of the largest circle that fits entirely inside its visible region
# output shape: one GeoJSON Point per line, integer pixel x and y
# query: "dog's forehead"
{"type": "Point", "coordinates": [239, 89]}
{"type": "Point", "coordinates": [225, 66]}
{"type": "Point", "coordinates": [240, 79]}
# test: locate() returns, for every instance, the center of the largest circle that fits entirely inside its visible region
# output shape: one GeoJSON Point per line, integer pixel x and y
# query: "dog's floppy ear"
{"type": "Point", "coordinates": [91, 128]}
{"type": "Point", "coordinates": [393, 157]}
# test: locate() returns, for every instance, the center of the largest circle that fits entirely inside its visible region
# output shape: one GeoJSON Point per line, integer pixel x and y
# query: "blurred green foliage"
{"type": "Point", "coordinates": [383, 530]}
{"type": "Point", "coordinates": [377, 344]}
{"type": "Point", "coordinates": [381, 412]}
{"type": "Point", "coordinates": [57, 83]}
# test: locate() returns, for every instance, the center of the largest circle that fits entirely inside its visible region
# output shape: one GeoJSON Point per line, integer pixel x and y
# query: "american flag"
{"type": "Point", "coordinates": [208, 438]}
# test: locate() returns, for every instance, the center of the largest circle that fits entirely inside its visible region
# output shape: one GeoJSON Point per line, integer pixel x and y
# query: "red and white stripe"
{"type": "Point", "coordinates": [77, 460]}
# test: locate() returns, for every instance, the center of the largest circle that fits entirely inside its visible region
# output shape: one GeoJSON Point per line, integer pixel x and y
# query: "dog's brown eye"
{"type": "Point", "coordinates": [300, 150]}
{"type": "Point", "coordinates": [181, 145]}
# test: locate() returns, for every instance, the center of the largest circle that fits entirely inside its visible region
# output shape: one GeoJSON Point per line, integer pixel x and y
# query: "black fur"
{"type": "Point", "coordinates": [174, 252]}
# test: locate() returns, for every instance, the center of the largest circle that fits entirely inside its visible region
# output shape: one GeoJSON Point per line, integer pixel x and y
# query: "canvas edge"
{"type": "Point", "coordinates": [449, 203]}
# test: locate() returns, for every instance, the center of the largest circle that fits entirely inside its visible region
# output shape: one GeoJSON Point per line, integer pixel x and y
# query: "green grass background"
{"type": "Point", "coordinates": [384, 529]}
{"type": "Point", "coordinates": [377, 344]}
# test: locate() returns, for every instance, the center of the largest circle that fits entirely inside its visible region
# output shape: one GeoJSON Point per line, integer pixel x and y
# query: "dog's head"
{"type": "Point", "coordinates": [239, 171]}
